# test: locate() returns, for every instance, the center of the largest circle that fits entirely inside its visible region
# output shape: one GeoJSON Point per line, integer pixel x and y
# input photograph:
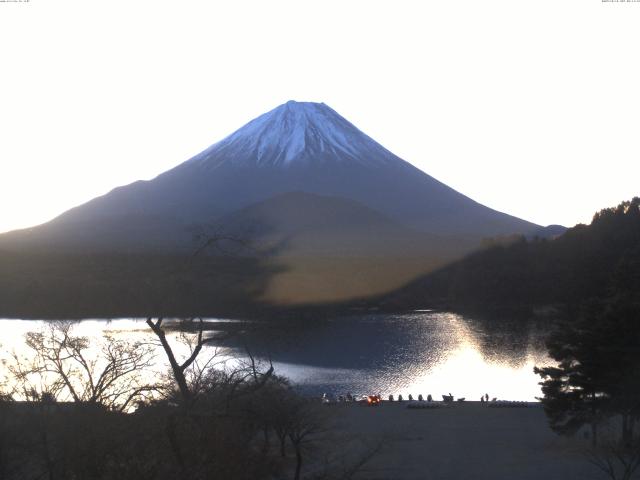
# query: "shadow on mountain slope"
{"type": "Point", "coordinates": [47, 285]}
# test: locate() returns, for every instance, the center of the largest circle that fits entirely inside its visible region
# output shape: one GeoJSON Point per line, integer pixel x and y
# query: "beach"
{"type": "Point", "coordinates": [467, 440]}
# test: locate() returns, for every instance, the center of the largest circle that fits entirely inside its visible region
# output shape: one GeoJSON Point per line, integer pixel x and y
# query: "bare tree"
{"type": "Point", "coordinates": [306, 423]}
{"type": "Point", "coordinates": [65, 366]}
{"type": "Point", "coordinates": [189, 380]}
{"type": "Point", "coordinates": [179, 369]}
{"type": "Point", "coordinates": [195, 376]}
{"type": "Point", "coordinates": [617, 459]}
{"type": "Point", "coordinates": [348, 456]}
{"type": "Point", "coordinates": [199, 381]}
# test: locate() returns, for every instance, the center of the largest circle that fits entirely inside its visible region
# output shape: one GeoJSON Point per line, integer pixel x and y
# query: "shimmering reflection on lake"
{"type": "Point", "coordinates": [421, 352]}
{"type": "Point", "coordinates": [415, 353]}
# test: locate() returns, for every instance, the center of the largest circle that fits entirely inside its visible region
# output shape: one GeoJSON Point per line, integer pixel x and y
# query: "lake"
{"type": "Point", "coordinates": [422, 352]}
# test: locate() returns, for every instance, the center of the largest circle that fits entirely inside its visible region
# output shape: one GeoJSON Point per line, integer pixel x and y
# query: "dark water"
{"type": "Point", "coordinates": [421, 352]}
{"type": "Point", "coordinates": [418, 353]}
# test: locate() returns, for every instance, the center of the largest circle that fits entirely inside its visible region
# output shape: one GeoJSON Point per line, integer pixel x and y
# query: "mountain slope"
{"type": "Point", "coordinates": [332, 215]}
{"type": "Point", "coordinates": [329, 249]}
{"type": "Point", "coordinates": [304, 147]}
{"type": "Point", "coordinates": [310, 224]}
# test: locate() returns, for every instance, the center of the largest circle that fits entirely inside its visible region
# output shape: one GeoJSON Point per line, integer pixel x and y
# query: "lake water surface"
{"type": "Point", "coordinates": [417, 353]}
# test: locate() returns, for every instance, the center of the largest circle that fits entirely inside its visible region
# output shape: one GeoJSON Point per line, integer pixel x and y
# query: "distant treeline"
{"type": "Point", "coordinates": [66, 285]}
{"type": "Point", "coordinates": [586, 262]}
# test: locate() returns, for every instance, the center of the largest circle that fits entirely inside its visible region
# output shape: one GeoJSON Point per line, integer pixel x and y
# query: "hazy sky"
{"type": "Point", "coordinates": [529, 107]}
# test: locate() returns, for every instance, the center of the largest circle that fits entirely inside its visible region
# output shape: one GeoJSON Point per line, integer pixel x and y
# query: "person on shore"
{"type": "Point", "coordinates": [482, 399]}
{"type": "Point", "coordinates": [429, 398]}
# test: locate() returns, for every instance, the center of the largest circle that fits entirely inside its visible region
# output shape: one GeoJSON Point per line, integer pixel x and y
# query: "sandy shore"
{"type": "Point", "coordinates": [465, 441]}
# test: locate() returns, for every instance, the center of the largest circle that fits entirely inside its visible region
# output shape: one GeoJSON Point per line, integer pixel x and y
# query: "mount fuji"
{"type": "Point", "coordinates": [345, 215]}
{"type": "Point", "coordinates": [296, 147]}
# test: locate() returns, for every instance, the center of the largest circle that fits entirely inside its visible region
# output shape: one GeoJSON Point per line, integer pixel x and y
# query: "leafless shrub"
{"type": "Point", "coordinates": [617, 459]}
{"type": "Point", "coordinates": [61, 366]}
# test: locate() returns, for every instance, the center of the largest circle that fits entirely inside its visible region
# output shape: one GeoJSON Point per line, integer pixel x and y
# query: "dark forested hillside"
{"type": "Point", "coordinates": [44, 285]}
{"type": "Point", "coordinates": [594, 261]}
{"type": "Point", "coordinates": [586, 262]}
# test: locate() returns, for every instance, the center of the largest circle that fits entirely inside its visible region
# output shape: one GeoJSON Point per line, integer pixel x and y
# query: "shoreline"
{"type": "Point", "coordinates": [467, 440]}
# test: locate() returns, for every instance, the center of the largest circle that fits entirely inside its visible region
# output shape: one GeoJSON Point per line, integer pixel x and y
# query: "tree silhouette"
{"type": "Point", "coordinates": [61, 367]}
{"type": "Point", "coordinates": [585, 263]}
{"type": "Point", "coordinates": [598, 372]}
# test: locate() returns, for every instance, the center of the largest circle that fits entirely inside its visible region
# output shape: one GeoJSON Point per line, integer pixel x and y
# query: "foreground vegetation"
{"type": "Point", "coordinates": [71, 410]}
{"type": "Point", "coordinates": [595, 387]}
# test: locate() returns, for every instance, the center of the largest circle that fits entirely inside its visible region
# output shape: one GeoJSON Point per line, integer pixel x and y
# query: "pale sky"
{"type": "Point", "coordinates": [529, 107]}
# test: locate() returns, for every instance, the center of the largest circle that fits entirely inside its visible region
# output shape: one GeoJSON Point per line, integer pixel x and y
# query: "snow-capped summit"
{"type": "Point", "coordinates": [297, 132]}
{"type": "Point", "coordinates": [339, 216]}
{"type": "Point", "coordinates": [296, 147]}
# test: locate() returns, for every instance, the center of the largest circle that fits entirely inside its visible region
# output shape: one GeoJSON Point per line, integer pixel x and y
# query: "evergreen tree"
{"type": "Point", "coordinates": [598, 372]}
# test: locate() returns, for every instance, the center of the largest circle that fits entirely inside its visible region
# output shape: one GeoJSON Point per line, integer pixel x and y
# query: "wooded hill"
{"type": "Point", "coordinates": [586, 262]}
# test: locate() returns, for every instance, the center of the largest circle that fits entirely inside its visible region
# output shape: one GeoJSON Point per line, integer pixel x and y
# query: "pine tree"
{"type": "Point", "coordinates": [598, 372]}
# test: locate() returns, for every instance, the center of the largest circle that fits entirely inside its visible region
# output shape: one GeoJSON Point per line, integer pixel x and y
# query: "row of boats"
{"type": "Point", "coordinates": [420, 402]}
{"type": "Point", "coordinates": [378, 398]}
